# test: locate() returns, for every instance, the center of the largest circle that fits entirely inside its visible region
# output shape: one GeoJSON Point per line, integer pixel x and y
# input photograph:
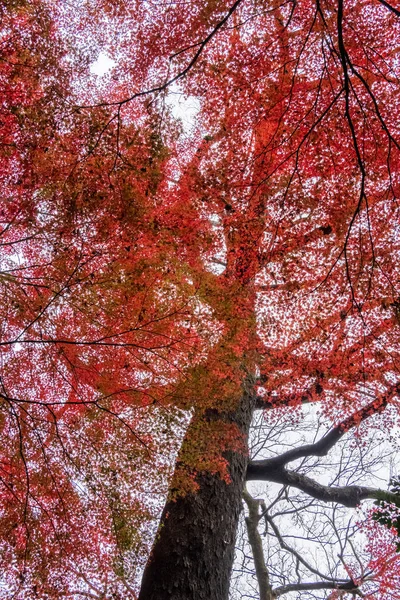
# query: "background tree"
{"type": "Point", "coordinates": [152, 276]}
{"type": "Point", "coordinates": [305, 539]}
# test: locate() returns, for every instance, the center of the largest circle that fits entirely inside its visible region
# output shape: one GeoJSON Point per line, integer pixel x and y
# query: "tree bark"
{"type": "Point", "coordinates": [193, 552]}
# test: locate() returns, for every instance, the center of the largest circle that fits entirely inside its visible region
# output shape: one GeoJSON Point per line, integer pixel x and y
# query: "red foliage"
{"type": "Point", "coordinates": [145, 270]}
{"type": "Point", "coordinates": [383, 571]}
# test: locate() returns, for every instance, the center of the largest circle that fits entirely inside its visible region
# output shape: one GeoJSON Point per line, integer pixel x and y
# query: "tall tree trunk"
{"type": "Point", "coordinates": [193, 552]}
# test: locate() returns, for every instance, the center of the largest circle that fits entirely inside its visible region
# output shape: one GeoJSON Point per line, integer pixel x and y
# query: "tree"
{"type": "Point", "coordinates": [150, 275]}
{"type": "Point", "coordinates": [305, 542]}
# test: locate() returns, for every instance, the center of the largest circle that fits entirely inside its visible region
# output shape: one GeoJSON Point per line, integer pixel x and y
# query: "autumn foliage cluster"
{"type": "Point", "coordinates": [152, 270]}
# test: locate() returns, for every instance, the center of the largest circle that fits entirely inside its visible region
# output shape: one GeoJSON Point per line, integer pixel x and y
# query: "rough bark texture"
{"type": "Point", "coordinates": [193, 553]}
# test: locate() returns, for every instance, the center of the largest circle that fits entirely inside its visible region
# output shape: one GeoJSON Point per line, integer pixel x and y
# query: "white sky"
{"type": "Point", "coordinates": [102, 65]}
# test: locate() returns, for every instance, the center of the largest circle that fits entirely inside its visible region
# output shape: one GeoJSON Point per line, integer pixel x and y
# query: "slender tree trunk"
{"type": "Point", "coordinates": [256, 544]}
{"type": "Point", "coordinates": [193, 553]}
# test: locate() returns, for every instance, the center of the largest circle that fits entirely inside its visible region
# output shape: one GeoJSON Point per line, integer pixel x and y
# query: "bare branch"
{"type": "Point", "coordinates": [390, 7]}
{"type": "Point", "coordinates": [349, 586]}
{"type": "Point", "coordinates": [256, 546]}
{"type": "Point", "coordinates": [350, 495]}
{"type": "Point", "coordinates": [322, 447]}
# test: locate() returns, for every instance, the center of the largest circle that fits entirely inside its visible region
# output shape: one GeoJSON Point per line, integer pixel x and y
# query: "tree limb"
{"type": "Point", "coordinates": [349, 586]}
{"type": "Point", "coordinates": [256, 546]}
{"type": "Point", "coordinates": [390, 7]}
{"type": "Point", "coordinates": [350, 495]}
{"type": "Point", "coordinates": [322, 447]}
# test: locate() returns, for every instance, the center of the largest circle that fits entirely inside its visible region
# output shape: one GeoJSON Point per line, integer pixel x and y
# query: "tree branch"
{"type": "Point", "coordinates": [322, 447]}
{"type": "Point", "coordinates": [294, 552]}
{"type": "Point", "coordinates": [349, 586]}
{"type": "Point", "coordinates": [390, 7]}
{"type": "Point", "coordinates": [256, 546]}
{"type": "Point", "coordinates": [163, 86]}
{"type": "Point", "coordinates": [350, 495]}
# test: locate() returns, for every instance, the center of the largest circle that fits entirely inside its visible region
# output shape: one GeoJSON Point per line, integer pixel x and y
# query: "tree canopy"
{"type": "Point", "coordinates": [161, 283]}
